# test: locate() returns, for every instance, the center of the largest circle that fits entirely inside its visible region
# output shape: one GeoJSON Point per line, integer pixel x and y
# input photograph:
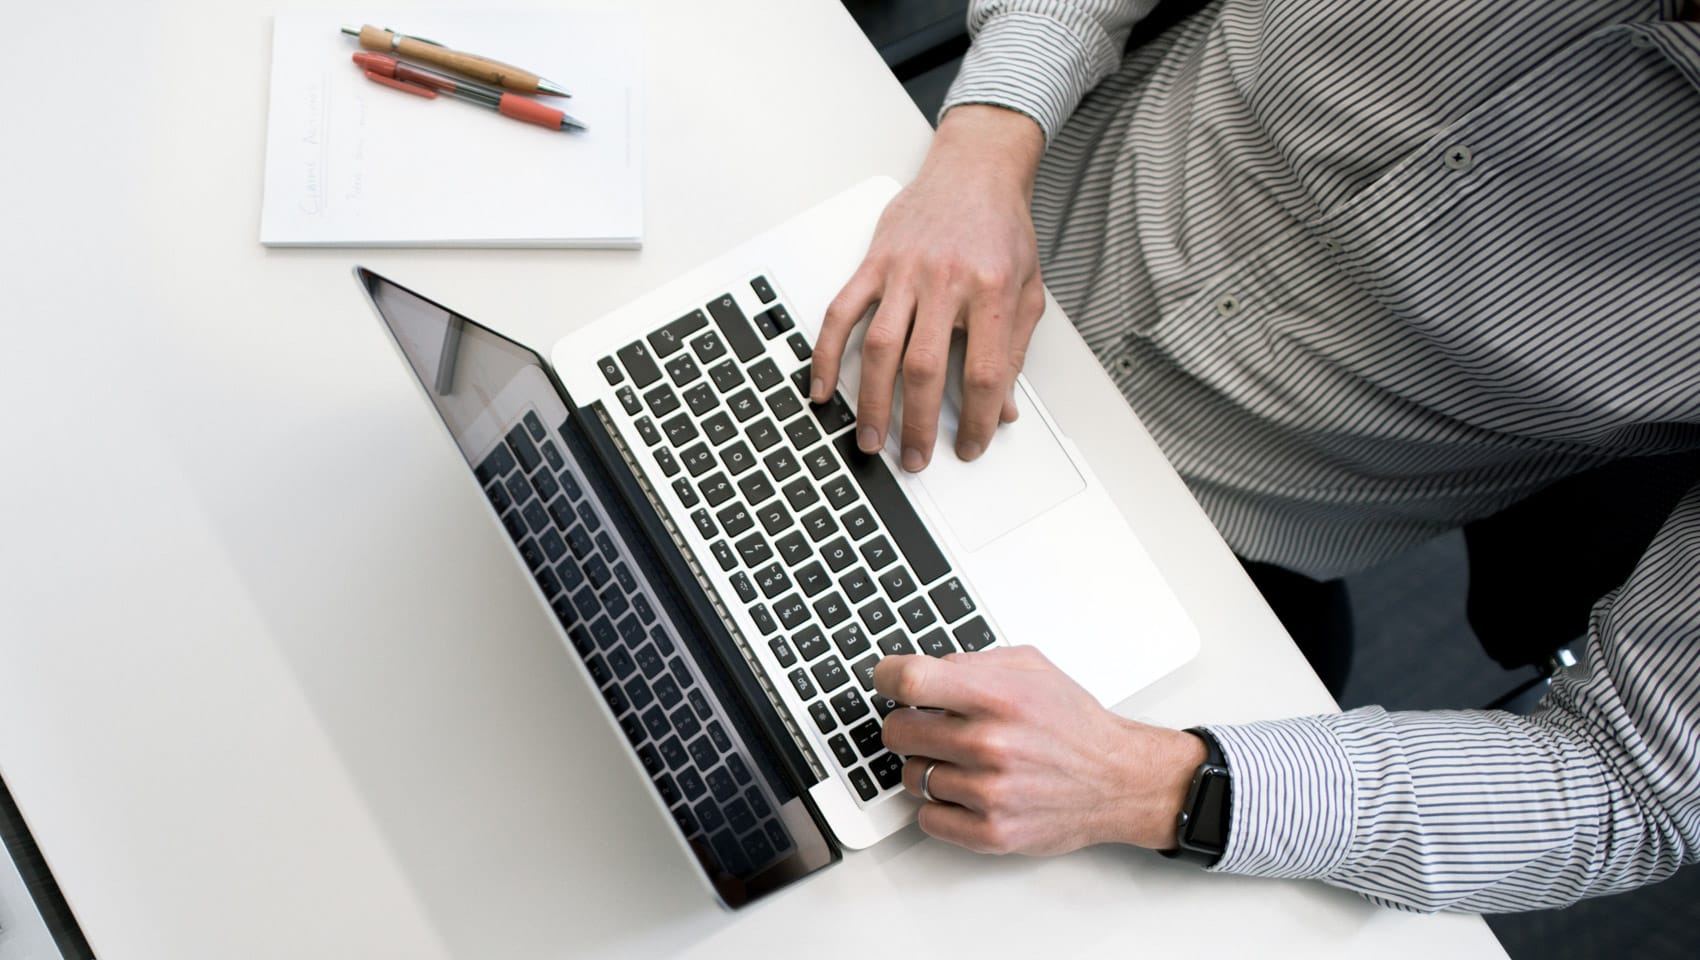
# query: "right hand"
{"type": "Point", "coordinates": [954, 250]}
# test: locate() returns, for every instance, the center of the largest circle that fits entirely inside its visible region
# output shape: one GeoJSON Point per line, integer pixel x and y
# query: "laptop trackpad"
{"type": "Point", "coordinates": [1023, 473]}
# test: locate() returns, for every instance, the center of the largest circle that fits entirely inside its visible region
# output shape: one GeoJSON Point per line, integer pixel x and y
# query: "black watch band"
{"type": "Point", "coordinates": [1201, 828]}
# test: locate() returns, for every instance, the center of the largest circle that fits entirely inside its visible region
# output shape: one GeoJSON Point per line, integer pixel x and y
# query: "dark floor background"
{"type": "Point", "coordinates": [1415, 648]}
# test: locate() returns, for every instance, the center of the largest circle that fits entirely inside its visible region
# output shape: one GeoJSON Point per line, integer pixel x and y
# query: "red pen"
{"type": "Point", "coordinates": [428, 83]}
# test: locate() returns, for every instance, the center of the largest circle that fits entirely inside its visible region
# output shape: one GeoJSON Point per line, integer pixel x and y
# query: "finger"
{"type": "Point", "coordinates": [1028, 314]}
{"type": "Point", "coordinates": [924, 366]}
{"type": "Point", "coordinates": [986, 373]}
{"type": "Point", "coordinates": [954, 824]}
{"type": "Point", "coordinates": [882, 352]}
{"type": "Point", "coordinates": [922, 681]}
{"type": "Point", "coordinates": [945, 783]}
{"type": "Point", "coordinates": [842, 315]}
{"type": "Point", "coordinates": [925, 733]}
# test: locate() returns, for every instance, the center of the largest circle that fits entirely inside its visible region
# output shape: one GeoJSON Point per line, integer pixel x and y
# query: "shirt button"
{"type": "Point", "coordinates": [1639, 40]}
{"type": "Point", "coordinates": [1331, 246]}
{"type": "Point", "coordinates": [1228, 305]}
{"type": "Point", "coordinates": [1126, 364]}
{"type": "Point", "coordinates": [1458, 157]}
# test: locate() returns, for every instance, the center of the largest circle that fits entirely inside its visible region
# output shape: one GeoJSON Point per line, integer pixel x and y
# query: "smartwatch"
{"type": "Point", "coordinates": [1201, 828]}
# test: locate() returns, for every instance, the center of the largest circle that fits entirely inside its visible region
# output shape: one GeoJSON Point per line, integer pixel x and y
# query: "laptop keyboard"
{"type": "Point", "coordinates": [687, 745]}
{"type": "Point", "coordinates": [818, 540]}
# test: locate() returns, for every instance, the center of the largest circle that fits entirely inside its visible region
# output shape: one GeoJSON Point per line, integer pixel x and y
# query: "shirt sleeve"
{"type": "Point", "coordinates": [1041, 56]}
{"type": "Point", "coordinates": [1596, 792]}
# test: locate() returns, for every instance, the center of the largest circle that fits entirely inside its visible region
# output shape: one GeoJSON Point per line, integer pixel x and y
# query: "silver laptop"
{"type": "Point", "coordinates": [729, 568]}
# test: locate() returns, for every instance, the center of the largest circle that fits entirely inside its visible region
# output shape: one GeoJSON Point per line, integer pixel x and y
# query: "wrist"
{"type": "Point", "coordinates": [997, 147]}
{"type": "Point", "coordinates": [1157, 778]}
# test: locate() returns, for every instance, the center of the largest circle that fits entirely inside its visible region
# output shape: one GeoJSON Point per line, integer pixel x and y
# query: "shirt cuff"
{"type": "Point", "coordinates": [1036, 65]}
{"type": "Point", "coordinates": [1293, 798]}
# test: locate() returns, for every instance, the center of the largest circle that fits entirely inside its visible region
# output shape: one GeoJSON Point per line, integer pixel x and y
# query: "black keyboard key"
{"type": "Point", "coordinates": [667, 685]}
{"type": "Point", "coordinates": [784, 405]}
{"type": "Point", "coordinates": [651, 758]}
{"type": "Point", "coordinates": [639, 363]}
{"type": "Point", "coordinates": [499, 497]}
{"type": "Point", "coordinates": [717, 735]}
{"type": "Point", "coordinates": [687, 495]}
{"type": "Point", "coordinates": [830, 674]}
{"type": "Point", "coordinates": [810, 643]}
{"type": "Point", "coordinates": [772, 580]}
{"type": "Point", "coordinates": [524, 450]}
{"type": "Point", "coordinates": [851, 641]}
{"type": "Point", "coordinates": [832, 609]}
{"type": "Point", "coordinates": [884, 705]}
{"type": "Point", "coordinates": [685, 721]}
{"type": "Point", "coordinates": [552, 455]}
{"type": "Point", "coordinates": [645, 612]}
{"type": "Point", "coordinates": [756, 488]}
{"type": "Point", "coordinates": [701, 399]}
{"type": "Point", "coordinates": [803, 433]}
{"type": "Point", "coordinates": [735, 519]}
{"type": "Point", "coordinates": [646, 430]}
{"type": "Point", "coordinates": [888, 770]}
{"type": "Point", "coordinates": [709, 347]}
{"type": "Point", "coordinates": [683, 369]}
{"type": "Point", "coordinates": [553, 546]}
{"type": "Point", "coordinates": [800, 682]}
{"type": "Point", "coordinates": [536, 518]}
{"type": "Point", "coordinates": [519, 488]}
{"type": "Point", "coordinates": [649, 661]}
{"type": "Point", "coordinates": [548, 583]}
{"type": "Point", "coordinates": [849, 705]}
{"type": "Point", "coordinates": [719, 428]}
{"type": "Point", "coordinates": [723, 555]}
{"type": "Point", "coordinates": [934, 644]}
{"type": "Point", "coordinates": [680, 430]}
{"type": "Point", "coordinates": [782, 652]}
{"type": "Point", "coordinates": [897, 583]}
{"type": "Point", "coordinates": [563, 607]}
{"type": "Point", "coordinates": [820, 462]}
{"type": "Point", "coordinates": [716, 489]}
{"type": "Point", "coordinates": [720, 785]}
{"type": "Point", "coordinates": [664, 457]}
{"type": "Point", "coordinates": [842, 750]}
{"type": "Point", "coordinates": [863, 670]}
{"type": "Point", "coordinates": [833, 415]}
{"type": "Point", "coordinates": [838, 555]}
{"type": "Point", "coordinates": [867, 737]}
{"type": "Point", "coordinates": [638, 693]}
{"type": "Point", "coordinates": [799, 345]}
{"type": "Point", "coordinates": [881, 489]}
{"type": "Point", "coordinates": [800, 379]}
{"type": "Point", "coordinates": [877, 617]}
{"type": "Point", "coordinates": [571, 575]}
{"type": "Point", "coordinates": [744, 405]}
{"type": "Point", "coordinates": [819, 524]}
{"type": "Point", "coordinates": [708, 810]}
{"type": "Point", "coordinates": [793, 548]}
{"type": "Point", "coordinates": [670, 338]}
{"type": "Point", "coordinates": [745, 589]}
{"type": "Point", "coordinates": [727, 376]}
{"type": "Point", "coordinates": [704, 524]}
{"type": "Point", "coordinates": [774, 518]}
{"type": "Point", "coordinates": [662, 400]}
{"type": "Point", "coordinates": [952, 600]}
{"type": "Point", "coordinates": [859, 523]}
{"type": "Point", "coordinates": [610, 370]}
{"type": "Point", "coordinates": [822, 714]}
{"type": "Point", "coordinates": [765, 375]}
{"type": "Point", "coordinates": [754, 550]}
{"type": "Point", "coordinates": [781, 463]}
{"type": "Point", "coordinates": [764, 290]}
{"type": "Point", "coordinates": [532, 554]}
{"type": "Point", "coordinates": [691, 785]}
{"type": "Point", "coordinates": [533, 425]}
{"type": "Point", "coordinates": [774, 321]}
{"type": "Point", "coordinates": [739, 816]}
{"type": "Point", "coordinates": [569, 483]}
{"type": "Point", "coordinates": [738, 458]}
{"type": "Point", "coordinates": [763, 434]}
{"type": "Point", "coordinates": [800, 493]}
{"type": "Point", "coordinates": [703, 753]}
{"type": "Point", "coordinates": [840, 492]}
{"type": "Point", "coordinates": [736, 329]}
{"type": "Point", "coordinates": [974, 635]}
{"type": "Point", "coordinates": [589, 607]}
{"type": "Point", "coordinates": [763, 619]}
{"type": "Point", "coordinates": [812, 578]}
{"type": "Point", "coordinates": [629, 400]}
{"type": "Point", "coordinates": [698, 460]}
{"type": "Point", "coordinates": [633, 728]}
{"type": "Point", "coordinates": [863, 783]}
{"type": "Point", "coordinates": [673, 753]}
{"type": "Point", "coordinates": [791, 611]}
{"type": "Point", "coordinates": [621, 661]}
{"type": "Point", "coordinates": [598, 667]}
{"type": "Point", "coordinates": [561, 512]}
{"type": "Point", "coordinates": [757, 802]}
{"type": "Point", "coordinates": [878, 553]}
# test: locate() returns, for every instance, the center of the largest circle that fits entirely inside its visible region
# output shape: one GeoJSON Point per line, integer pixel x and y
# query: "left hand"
{"type": "Point", "coordinates": [1027, 760]}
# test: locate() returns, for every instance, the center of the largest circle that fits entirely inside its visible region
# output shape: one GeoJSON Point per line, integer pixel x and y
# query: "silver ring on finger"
{"type": "Point", "coordinates": [926, 780]}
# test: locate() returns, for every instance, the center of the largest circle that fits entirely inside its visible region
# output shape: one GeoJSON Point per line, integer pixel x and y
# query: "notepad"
{"type": "Point", "coordinates": [352, 163]}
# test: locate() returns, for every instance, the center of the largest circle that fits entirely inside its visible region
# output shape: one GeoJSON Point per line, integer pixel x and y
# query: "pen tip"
{"type": "Point", "coordinates": [553, 90]}
{"type": "Point", "coordinates": [351, 31]}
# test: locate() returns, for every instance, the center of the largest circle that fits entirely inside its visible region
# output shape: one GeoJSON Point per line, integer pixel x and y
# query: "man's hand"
{"type": "Point", "coordinates": [1027, 761]}
{"type": "Point", "coordinates": [954, 250]}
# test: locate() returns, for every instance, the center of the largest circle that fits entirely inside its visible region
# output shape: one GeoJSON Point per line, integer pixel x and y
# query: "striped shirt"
{"type": "Point", "coordinates": [1369, 272]}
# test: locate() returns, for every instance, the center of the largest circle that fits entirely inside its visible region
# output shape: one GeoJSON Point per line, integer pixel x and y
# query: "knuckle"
{"type": "Point", "coordinates": [908, 687]}
{"type": "Point", "coordinates": [983, 373]}
{"type": "Point", "coordinates": [923, 365]}
{"type": "Point", "coordinates": [883, 341]}
{"type": "Point", "coordinates": [991, 276]}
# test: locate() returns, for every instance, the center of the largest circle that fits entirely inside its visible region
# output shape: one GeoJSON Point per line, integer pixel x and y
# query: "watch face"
{"type": "Point", "coordinates": [1207, 825]}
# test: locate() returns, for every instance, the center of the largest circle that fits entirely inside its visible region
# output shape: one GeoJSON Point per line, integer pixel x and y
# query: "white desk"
{"type": "Point", "coordinates": [268, 684]}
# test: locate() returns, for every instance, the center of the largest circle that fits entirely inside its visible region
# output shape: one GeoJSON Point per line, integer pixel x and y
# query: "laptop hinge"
{"type": "Point", "coordinates": [778, 715]}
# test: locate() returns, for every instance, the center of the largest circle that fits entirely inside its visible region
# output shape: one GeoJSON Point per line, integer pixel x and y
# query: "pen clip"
{"type": "Point", "coordinates": [402, 85]}
{"type": "Point", "coordinates": [398, 34]}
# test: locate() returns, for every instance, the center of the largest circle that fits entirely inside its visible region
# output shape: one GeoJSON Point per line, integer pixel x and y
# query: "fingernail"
{"type": "Point", "coordinates": [970, 450]}
{"type": "Point", "coordinates": [817, 389]}
{"type": "Point", "coordinates": [868, 439]}
{"type": "Point", "coordinates": [912, 460]}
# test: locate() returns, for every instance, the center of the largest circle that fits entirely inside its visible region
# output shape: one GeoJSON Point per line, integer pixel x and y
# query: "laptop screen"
{"type": "Point", "coordinates": [671, 691]}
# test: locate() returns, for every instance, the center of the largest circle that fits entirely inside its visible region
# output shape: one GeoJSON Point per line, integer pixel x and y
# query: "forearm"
{"type": "Point", "coordinates": [1039, 57]}
{"type": "Point", "coordinates": [1481, 811]}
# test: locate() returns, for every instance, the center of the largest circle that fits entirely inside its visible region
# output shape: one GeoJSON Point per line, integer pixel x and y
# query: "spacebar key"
{"type": "Point", "coordinates": [895, 510]}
